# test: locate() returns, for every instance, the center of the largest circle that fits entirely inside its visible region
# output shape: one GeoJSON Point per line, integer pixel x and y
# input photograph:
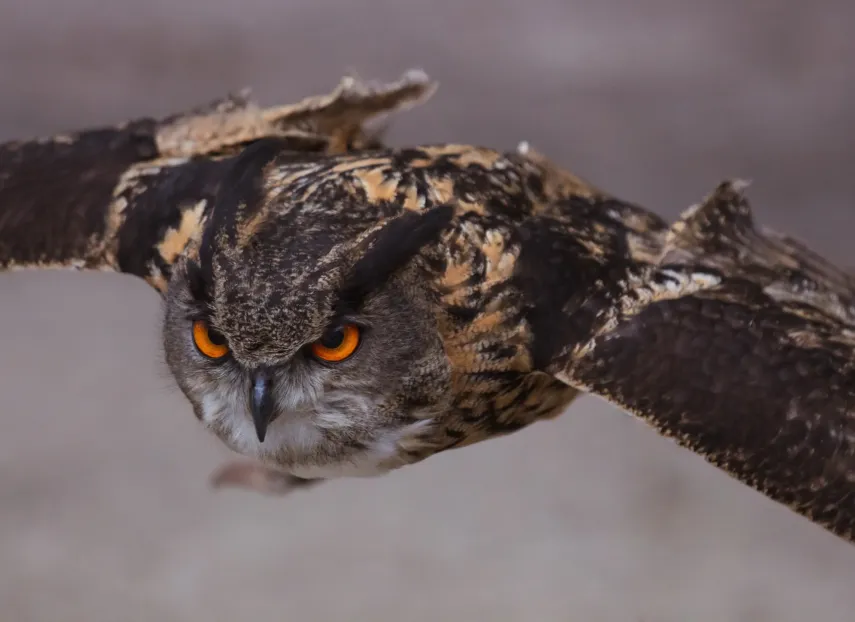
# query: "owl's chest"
{"type": "Point", "coordinates": [490, 405]}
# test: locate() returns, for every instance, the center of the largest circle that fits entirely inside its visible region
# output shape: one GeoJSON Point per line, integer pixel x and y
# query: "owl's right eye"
{"type": "Point", "coordinates": [209, 342]}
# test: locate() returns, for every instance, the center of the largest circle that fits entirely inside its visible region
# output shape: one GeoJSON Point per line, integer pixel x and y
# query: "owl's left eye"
{"type": "Point", "coordinates": [209, 342]}
{"type": "Point", "coordinates": [337, 344]}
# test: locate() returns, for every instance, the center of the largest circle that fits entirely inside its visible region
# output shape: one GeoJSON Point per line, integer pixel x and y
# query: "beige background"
{"type": "Point", "coordinates": [104, 509]}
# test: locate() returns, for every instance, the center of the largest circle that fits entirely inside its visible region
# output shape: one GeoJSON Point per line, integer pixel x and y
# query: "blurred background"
{"type": "Point", "coordinates": [105, 512]}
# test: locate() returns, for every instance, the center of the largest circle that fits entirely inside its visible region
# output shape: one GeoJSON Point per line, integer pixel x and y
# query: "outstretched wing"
{"type": "Point", "coordinates": [132, 197]}
{"type": "Point", "coordinates": [739, 344]}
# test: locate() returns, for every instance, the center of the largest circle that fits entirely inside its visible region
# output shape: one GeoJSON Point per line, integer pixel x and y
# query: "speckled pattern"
{"type": "Point", "coordinates": [591, 515]}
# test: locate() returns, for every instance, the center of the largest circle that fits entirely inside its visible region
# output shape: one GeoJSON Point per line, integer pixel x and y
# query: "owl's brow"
{"type": "Point", "coordinates": [394, 246]}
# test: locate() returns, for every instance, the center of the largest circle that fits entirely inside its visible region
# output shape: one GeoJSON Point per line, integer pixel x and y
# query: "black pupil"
{"type": "Point", "coordinates": [332, 339]}
{"type": "Point", "coordinates": [216, 338]}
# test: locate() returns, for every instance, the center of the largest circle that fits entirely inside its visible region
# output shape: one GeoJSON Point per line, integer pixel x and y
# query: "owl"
{"type": "Point", "coordinates": [338, 307]}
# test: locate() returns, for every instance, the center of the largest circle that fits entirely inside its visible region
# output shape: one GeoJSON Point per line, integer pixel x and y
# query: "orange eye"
{"type": "Point", "coordinates": [210, 343]}
{"type": "Point", "coordinates": [337, 343]}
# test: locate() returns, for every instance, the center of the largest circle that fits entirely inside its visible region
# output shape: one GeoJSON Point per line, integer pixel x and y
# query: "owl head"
{"type": "Point", "coordinates": [301, 328]}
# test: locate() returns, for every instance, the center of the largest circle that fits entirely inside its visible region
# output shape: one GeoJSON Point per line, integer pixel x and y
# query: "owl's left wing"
{"type": "Point", "coordinates": [130, 198]}
{"type": "Point", "coordinates": [740, 345]}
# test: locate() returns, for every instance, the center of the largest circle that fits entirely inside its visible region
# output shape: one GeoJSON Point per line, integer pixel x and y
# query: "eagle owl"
{"type": "Point", "coordinates": [338, 307]}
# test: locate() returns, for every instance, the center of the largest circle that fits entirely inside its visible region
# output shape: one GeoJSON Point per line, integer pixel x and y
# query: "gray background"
{"type": "Point", "coordinates": [104, 509]}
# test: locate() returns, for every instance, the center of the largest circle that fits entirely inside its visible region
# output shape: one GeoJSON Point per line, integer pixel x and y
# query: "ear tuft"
{"type": "Point", "coordinates": [393, 247]}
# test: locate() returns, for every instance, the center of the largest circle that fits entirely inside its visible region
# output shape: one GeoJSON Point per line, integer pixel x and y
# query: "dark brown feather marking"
{"type": "Point", "coordinates": [55, 193]}
{"type": "Point", "coordinates": [155, 205]}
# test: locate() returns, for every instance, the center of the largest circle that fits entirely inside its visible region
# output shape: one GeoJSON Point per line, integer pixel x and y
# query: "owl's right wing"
{"type": "Point", "coordinates": [130, 198]}
{"type": "Point", "coordinates": [740, 345]}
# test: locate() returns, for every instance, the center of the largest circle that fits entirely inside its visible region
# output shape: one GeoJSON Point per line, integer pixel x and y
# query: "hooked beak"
{"type": "Point", "coordinates": [262, 402]}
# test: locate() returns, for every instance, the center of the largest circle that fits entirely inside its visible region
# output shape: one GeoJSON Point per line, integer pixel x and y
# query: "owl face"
{"type": "Point", "coordinates": [311, 345]}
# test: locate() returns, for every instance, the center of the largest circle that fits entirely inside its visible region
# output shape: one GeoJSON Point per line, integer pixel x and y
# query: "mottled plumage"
{"type": "Point", "coordinates": [489, 290]}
